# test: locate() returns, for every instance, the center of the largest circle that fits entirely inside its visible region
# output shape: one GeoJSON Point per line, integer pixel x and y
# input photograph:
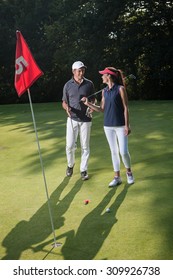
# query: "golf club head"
{"type": "Point", "coordinates": [131, 76]}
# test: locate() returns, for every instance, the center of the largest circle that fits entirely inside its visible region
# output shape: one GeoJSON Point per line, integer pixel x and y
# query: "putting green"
{"type": "Point", "coordinates": [139, 224]}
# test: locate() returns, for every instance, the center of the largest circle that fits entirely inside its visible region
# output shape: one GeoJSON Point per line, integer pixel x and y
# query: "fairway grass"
{"type": "Point", "coordinates": [139, 225]}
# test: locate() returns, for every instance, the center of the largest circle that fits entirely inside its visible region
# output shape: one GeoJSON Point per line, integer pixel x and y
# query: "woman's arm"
{"type": "Point", "coordinates": [93, 106]}
{"type": "Point", "coordinates": [124, 98]}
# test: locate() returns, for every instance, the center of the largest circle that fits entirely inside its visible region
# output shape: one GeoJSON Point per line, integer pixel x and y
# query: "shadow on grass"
{"type": "Point", "coordinates": [93, 230]}
{"type": "Point", "coordinates": [27, 233]}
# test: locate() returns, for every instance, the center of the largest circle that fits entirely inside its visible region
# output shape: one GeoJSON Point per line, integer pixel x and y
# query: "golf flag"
{"type": "Point", "coordinates": [26, 69]}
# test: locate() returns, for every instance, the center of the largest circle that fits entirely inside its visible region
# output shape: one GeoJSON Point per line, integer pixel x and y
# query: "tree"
{"type": "Point", "coordinates": [135, 36]}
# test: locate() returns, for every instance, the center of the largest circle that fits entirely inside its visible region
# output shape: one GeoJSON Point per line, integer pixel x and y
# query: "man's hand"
{"type": "Point", "coordinates": [68, 111]}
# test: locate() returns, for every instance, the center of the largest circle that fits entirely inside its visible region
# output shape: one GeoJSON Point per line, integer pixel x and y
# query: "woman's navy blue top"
{"type": "Point", "coordinates": [113, 107]}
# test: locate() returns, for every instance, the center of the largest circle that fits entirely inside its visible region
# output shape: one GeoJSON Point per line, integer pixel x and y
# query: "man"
{"type": "Point", "coordinates": [78, 121]}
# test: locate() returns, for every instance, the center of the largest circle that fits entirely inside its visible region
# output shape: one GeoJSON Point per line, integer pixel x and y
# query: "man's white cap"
{"type": "Point", "coordinates": [78, 65]}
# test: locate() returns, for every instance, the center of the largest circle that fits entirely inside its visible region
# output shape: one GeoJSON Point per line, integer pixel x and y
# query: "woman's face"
{"type": "Point", "coordinates": [105, 78]}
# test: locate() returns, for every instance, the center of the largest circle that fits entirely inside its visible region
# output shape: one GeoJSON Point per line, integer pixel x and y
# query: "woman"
{"type": "Point", "coordinates": [114, 104]}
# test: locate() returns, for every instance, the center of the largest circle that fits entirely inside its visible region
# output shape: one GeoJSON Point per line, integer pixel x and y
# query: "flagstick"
{"type": "Point", "coordinates": [44, 177]}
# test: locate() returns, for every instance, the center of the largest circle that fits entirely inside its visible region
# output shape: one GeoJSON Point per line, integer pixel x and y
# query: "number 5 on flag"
{"type": "Point", "coordinates": [27, 70]}
{"type": "Point", "coordinates": [22, 63]}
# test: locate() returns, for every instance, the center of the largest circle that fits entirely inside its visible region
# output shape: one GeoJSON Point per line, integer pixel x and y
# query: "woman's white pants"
{"type": "Point", "coordinates": [73, 129]}
{"type": "Point", "coordinates": [118, 143]}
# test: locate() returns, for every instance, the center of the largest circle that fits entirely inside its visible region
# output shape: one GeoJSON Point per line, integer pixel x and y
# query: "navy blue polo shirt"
{"type": "Point", "coordinates": [113, 107]}
{"type": "Point", "coordinates": [72, 94]}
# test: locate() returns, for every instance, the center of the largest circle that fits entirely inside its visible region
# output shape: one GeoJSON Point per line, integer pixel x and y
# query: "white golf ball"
{"type": "Point", "coordinates": [108, 210]}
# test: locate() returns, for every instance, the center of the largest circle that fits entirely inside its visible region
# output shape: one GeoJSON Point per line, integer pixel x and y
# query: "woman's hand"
{"type": "Point", "coordinates": [85, 100]}
{"type": "Point", "coordinates": [127, 130]}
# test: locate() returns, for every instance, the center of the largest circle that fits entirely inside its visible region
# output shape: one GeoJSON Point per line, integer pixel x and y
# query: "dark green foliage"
{"type": "Point", "coordinates": [133, 36]}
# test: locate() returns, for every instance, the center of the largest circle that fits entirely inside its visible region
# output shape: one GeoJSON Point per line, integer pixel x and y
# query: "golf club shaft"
{"type": "Point", "coordinates": [95, 93]}
{"type": "Point", "coordinates": [129, 76]}
{"type": "Point", "coordinates": [71, 121]}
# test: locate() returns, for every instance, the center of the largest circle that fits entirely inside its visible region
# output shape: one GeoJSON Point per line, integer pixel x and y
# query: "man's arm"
{"type": "Point", "coordinates": [65, 104]}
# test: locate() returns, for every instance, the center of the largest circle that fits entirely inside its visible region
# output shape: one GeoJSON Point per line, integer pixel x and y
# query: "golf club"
{"type": "Point", "coordinates": [88, 114]}
{"type": "Point", "coordinates": [130, 76]}
{"type": "Point", "coordinates": [75, 142]}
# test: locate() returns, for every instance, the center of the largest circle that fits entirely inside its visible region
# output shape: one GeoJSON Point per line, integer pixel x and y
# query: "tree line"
{"type": "Point", "coordinates": [134, 36]}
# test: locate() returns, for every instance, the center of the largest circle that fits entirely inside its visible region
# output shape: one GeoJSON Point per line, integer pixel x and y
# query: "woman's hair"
{"type": "Point", "coordinates": [118, 78]}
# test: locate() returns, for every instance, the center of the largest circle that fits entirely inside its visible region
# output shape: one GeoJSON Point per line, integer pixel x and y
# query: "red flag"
{"type": "Point", "coordinates": [26, 69]}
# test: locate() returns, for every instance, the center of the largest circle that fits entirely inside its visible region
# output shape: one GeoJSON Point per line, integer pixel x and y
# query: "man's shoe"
{"type": "Point", "coordinates": [130, 178]}
{"type": "Point", "coordinates": [115, 182]}
{"type": "Point", "coordinates": [84, 175]}
{"type": "Point", "coordinates": [69, 171]}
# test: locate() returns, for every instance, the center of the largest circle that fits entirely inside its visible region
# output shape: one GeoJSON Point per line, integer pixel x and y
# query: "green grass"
{"type": "Point", "coordinates": [139, 225]}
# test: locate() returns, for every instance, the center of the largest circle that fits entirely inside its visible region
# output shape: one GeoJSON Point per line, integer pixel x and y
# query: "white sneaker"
{"type": "Point", "coordinates": [130, 178]}
{"type": "Point", "coordinates": [115, 182]}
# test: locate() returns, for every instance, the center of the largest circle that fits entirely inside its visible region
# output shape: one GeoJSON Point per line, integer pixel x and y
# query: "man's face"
{"type": "Point", "coordinates": [79, 73]}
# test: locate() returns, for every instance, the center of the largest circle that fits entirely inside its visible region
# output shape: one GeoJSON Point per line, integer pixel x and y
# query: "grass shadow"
{"type": "Point", "coordinates": [93, 230]}
{"type": "Point", "coordinates": [27, 233]}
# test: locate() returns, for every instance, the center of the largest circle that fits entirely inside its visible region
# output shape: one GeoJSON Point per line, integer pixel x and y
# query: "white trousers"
{"type": "Point", "coordinates": [118, 143]}
{"type": "Point", "coordinates": [73, 129]}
